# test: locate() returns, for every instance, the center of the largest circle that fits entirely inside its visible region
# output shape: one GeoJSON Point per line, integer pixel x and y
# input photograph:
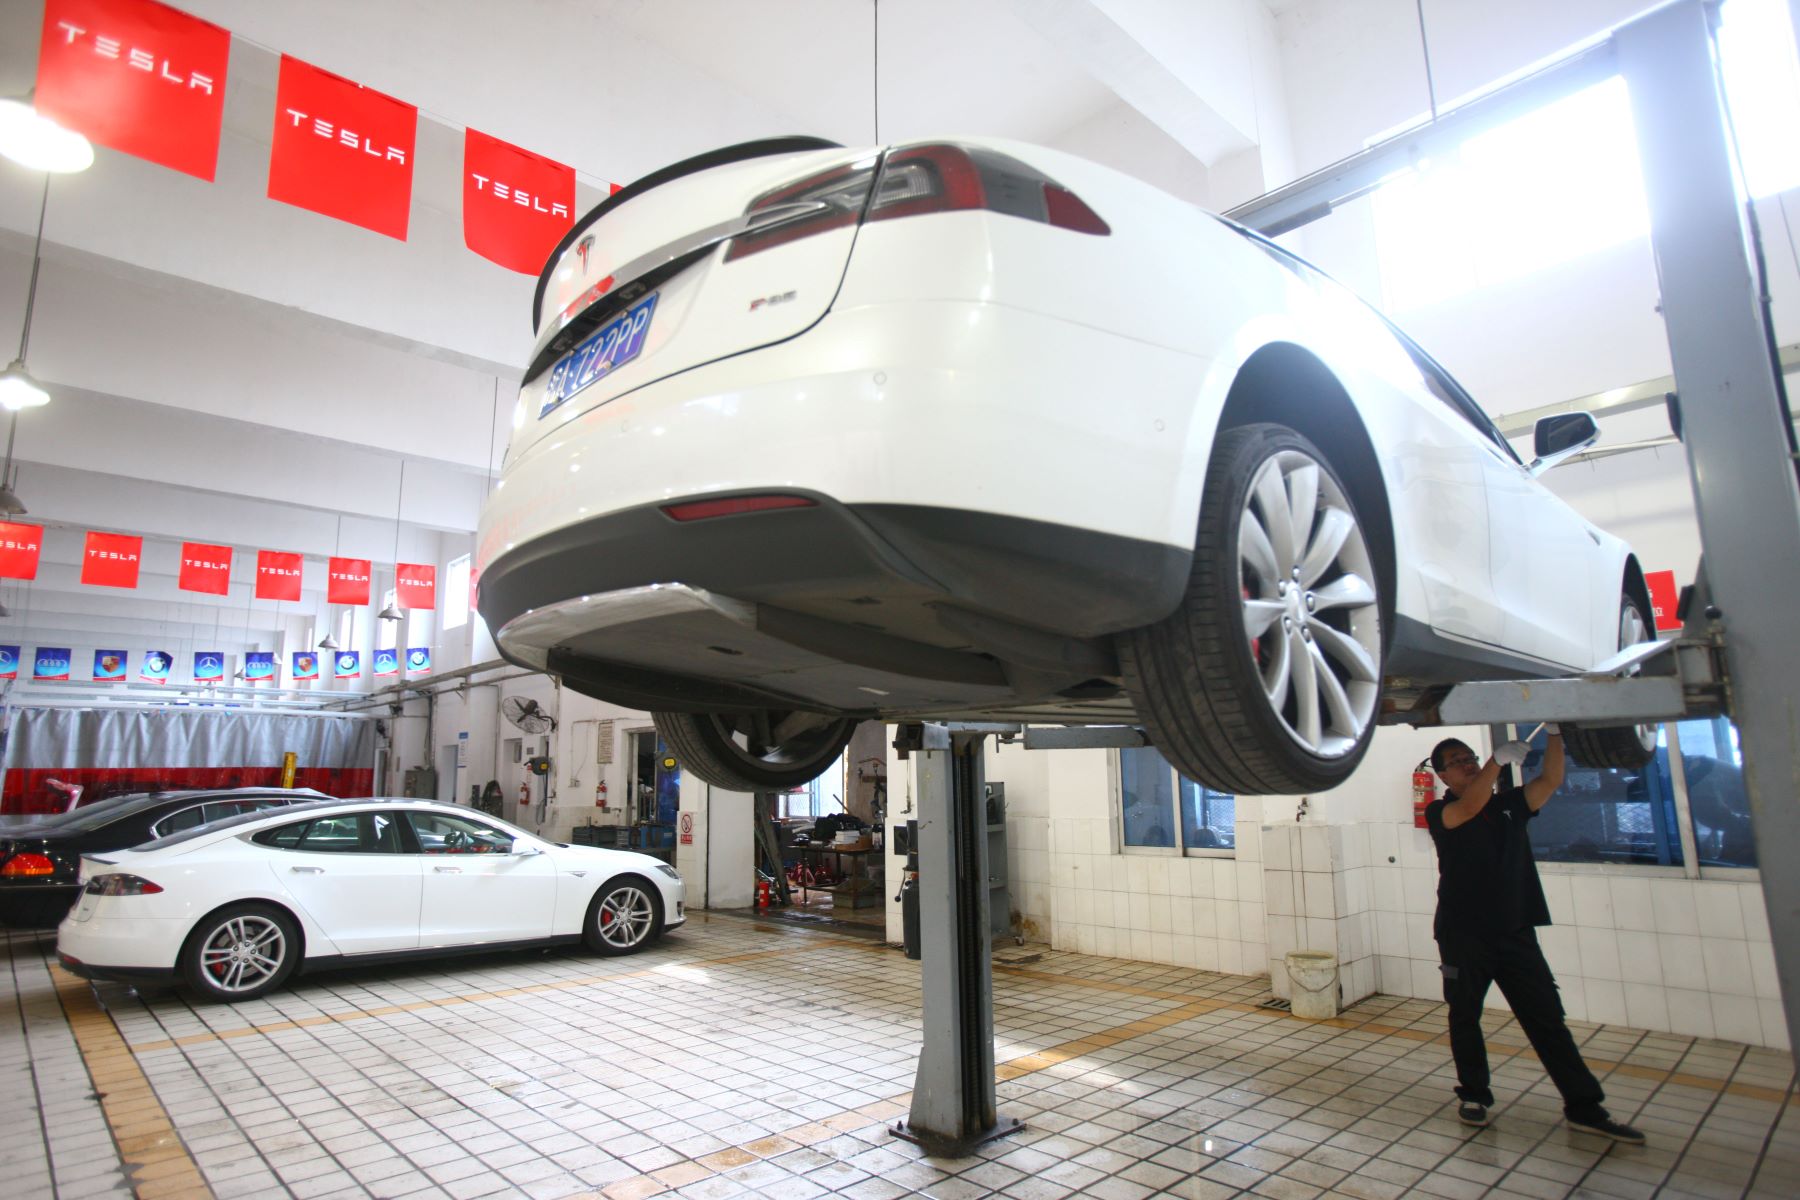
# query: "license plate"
{"type": "Point", "coordinates": [604, 351]}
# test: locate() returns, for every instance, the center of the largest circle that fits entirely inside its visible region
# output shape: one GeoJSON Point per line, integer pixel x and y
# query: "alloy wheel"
{"type": "Point", "coordinates": [243, 953]}
{"type": "Point", "coordinates": [624, 917]}
{"type": "Point", "coordinates": [1311, 612]}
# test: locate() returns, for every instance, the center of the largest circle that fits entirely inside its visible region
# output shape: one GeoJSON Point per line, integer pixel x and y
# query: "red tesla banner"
{"type": "Point", "coordinates": [205, 568]}
{"type": "Point", "coordinates": [112, 559]}
{"type": "Point", "coordinates": [1663, 598]}
{"type": "Point", "coordinates": [348, 582]}
{"type": "Point", "coordinates": [137, 76]}
{"type": "Point", "coordinates": [19, 549]}
{"type": "Point", "coordinates": [342, 149]}
{"type": "Point", "coordinates": [416, 584]}
{"type": "Point", "coordinates": [516, 204]}
{"type": "Point", "coordinates": [277, 575]}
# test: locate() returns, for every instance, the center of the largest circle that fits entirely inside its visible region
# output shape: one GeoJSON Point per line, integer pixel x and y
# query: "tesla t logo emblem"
{"type": "Point", "coordinates": [766, 301]}
{"type": "Point", "coordinates": [582, 249]}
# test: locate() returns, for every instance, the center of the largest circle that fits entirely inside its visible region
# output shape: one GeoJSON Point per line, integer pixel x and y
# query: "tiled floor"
{"type": "Point", "coordinates": [747, 1059]}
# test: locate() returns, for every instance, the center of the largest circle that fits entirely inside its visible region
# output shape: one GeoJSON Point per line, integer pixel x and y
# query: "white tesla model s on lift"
{"type": "Point", "coordinates": [971, 429]}
{"type": "Point", "coordinates": [236, 907]}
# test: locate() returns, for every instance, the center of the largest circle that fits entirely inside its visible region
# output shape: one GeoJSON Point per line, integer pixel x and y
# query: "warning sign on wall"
{"type": "Point", "coordinates": [687, 829]}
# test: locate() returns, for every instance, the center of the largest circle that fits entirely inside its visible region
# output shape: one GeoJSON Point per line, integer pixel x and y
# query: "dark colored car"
{"type": "Point", "coordinates": [40, 857]}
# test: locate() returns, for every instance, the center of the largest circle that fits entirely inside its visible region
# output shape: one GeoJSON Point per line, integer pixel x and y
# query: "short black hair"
{"type": "Point", "coordinates": [1441, 751]}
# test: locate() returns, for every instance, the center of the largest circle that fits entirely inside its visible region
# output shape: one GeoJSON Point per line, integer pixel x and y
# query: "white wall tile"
{"type": "Point", "coordinates": [1249, 881]}
{"type": "Point", "coordinates": [1279, 896]}
{"type": "Point", "coordinates": [1560, 950]}
{"type": "Point", "coordinates": [1320, 901]}
{"type": "Point", "coordinates": [1220, 916]}
{"type": "Point", "coordinates": [1672, 900]}
{"type": "Point", "coordinates": [1592, 900]}
{"type": "Point", "coordinates": [1631, 903]}
{"type": "Point", "coordinates": [1756, 913]}
{"type": "Point", "coordinates": [1646, 1007]}
{"type": "Point", "coordinates": [1138, 908]}
{"type": "Point", "coordinates": [1727, 969]}
{"type": "Point", "coordinates": [1762, 970]}
{"type": "Point", "coordinates": [1683, 963]}
{"type": "Point", "coordinates": [1599, 950]}
{"type": "Point", "coordinates": [1206, 954]}
{"type": "Point", "coordinates": [1160, 919]}
{"type": "Point", "coordinates": [1419, 940]}
{"type": "Point", "coordinates": [1394, 975]}
{"type": "Point", "coordinates": [1184, 953]}
{"type": "Point", "coordinates": [1390, 934]}
{"type": "Point", "coordinates": [1251, 923]}
{"type": "Point", "coordinates": [1353, 842]}
{"type": "Point", "coordinates": [1315, 848]}
{"type": "Point", "coordinates": [1640, 960]}
{"type": "Point", "coordinates": [1421, 889]}
{"type": "Point", "coordinates": [1559, 898]}
{"type": "Point", "coordinates": [1278, 848]}
{"type": "Point", "coordinates": [1774, 1023]}
{"type": "Point", "coordinates": [1384, 843]}
{"type": "Point", "coordinates": [1232, 959]}
{"type": "Point", "coordinates": [1319, 933]}
{"type": "Point", "coordinates": [1426, 980]}
{"type": "Point", "coordinates": [1181, 877]}
{"type": "Point", "coordinates": [1224, 879]}
{"type": "Point", "coordinates": [1416, 849]}
{"type": "Point", "coordinates": [1736, 1019]}
{"type": "Point", "coordinates": [1162, 947]}
{"type": "Point", "coordinates": [1690, 1012]}
{"type": "Point", "coordinates": [1574, 997]}
{"type": "Point", "coordinates": [1605, 1001]}
{"type": "Point", "coordinates": [1388, 886]}
{"type": "Point", "coordinates": [1720, 912]}
{"type": "Point", "coordinates": [1139, 942]}
{"type": "Point", "coordinates": [1249, 838]}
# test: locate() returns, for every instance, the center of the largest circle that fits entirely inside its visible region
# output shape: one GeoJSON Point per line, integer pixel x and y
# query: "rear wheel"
{"type": "Point", "coordinates": [1622, 747]}
{"type": "Point", "coordinates": [241, 952]}
{"type": "Point", "coordinates": [1267, 679]}
{"type": "Point", "coordinates": [764, 751]}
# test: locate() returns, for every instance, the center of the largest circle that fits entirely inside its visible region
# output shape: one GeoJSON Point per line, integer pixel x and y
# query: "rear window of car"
{"type": "Point", "coordinates": [340, 833]}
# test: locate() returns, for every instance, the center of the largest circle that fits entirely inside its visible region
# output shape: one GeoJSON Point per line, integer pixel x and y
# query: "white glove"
{"type": "Point", "coordinates": [1512, 754]}
{"type": "Point", "coordinates": [1552, 729]}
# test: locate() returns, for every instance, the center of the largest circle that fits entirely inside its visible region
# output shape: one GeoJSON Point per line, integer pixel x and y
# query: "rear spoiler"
{"type": "Point", "coordinates": [687, 166]}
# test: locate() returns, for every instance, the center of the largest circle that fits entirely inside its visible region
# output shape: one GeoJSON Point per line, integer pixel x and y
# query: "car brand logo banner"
{"type": "Point", "coordinates": [277, 575]}
{"type": "Point", "coordinates": [109, 666]}
{"type": "Point", "coordinates": [342, 149]}
{"type": "Point", "coordinates": [205, 568]}
{"type": "Point", "coordinates": [112, 559]}
{"type": "Point", "coordinates": [387, 662]}
{"type": "Point", "coordinates": [9, 662]}
{"type": "Point", "coordinates": [348, 581]}
{"type": "Point", "coordinates": [155, 668]}
{"type": "Point", "coordinates": [306, 665]}
{"type": "Point", "coordinates": [349, 665]}
{"type": "Point", "coordinates": [209, 666]}
{"type": "Point", "coordinates": [259, 666]}
{"type": "Point", "coordinates": [416, 585]}
{"type": "Point", "coordinates": [418, 660]}
{"type": "Point", "coordinates": [516, 205]}
{"type": "Point", "coordinates": [138, 76]}
{"type": "Point", "coordinates": [19, 549]}
{"type": "Point", "coordinates": [50, 663]}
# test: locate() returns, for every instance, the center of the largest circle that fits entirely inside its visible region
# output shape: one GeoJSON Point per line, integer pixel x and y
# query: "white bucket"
{"type": "Point", "coordinates": [1314, 976]}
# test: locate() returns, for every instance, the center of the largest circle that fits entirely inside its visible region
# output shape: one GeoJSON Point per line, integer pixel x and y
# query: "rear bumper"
{"type": "Point", "coordinates": [121, 947]}
{"type": "Point", "coordinates": [115, 974]}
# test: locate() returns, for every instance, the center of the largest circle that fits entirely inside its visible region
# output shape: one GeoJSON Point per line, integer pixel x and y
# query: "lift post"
{"type": "Point", "coordinates": [1735, 424]}
{"type": "Point", "coordinates": [953, 1107]}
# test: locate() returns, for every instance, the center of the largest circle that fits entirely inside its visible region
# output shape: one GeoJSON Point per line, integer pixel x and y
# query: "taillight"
{"type": "Point", "coordinates": [913, 181]}
{"type": "Point", "coordinates": [121, 885]}
{"type": "Point", "coordinates": [700, 510]}
{"type": "Point", "coordinates": [27, 866]}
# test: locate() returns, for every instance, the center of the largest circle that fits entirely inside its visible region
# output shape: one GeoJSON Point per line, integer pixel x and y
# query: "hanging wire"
{"type": "Point", "coordinates": [37, 257]}
{"type": "Point", "coordinates": [1425, 46]}
{"type": "Point", "coordinates": [399, 499]}
{"type": "Point", "coordinates": [493, 428]}
{"type": "Point", "coordinates": [875, 69]}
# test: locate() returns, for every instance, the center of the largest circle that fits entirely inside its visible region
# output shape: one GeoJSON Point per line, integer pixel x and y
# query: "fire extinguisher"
{"type": "Point", "coordinates": [600, 794]}
{"type": "Point", "coordinates": [1424, 792]}
{"type": "Point", "coordinates": [525, 794]}
{"type": "Point", "coordinates": [763, 895]}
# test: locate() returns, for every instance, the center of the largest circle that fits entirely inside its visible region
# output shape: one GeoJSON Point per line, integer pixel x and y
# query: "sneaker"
{"type": "Point", "coordinates": [1475, 1115]}
{"type": "Point", "coordinates": [1606, 1127]}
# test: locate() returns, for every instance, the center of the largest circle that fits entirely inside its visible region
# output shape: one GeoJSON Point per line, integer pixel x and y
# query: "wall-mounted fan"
{"type": "Point", "coordinates": [524, 712]}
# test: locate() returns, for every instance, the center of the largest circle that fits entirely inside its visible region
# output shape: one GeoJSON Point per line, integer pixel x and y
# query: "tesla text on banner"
{"type": "Point", "coordinates": [109, 666]}
{"type": "Point", "coordinates": [347, 581]}
{"type": "Point", "coordinates": [277, 575]}
{"type": "Point", "coordinates": [205, 568]}
{"type": "Point", "coordinates": [112, 559]}
{"type": "Point", "coordinates": [516, 204]}
{"type": "Point", "coordinates": [342, 149]}
{"type": "Point", "coordinates": [19, 549]}
{"type": "Point", "coordinates": [416, 584]}
{"type": "Point", "coordinates": [138, 76]}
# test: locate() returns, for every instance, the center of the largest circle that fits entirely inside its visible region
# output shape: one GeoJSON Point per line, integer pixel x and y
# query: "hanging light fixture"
{"type": "Point", "coordinates": [33, 140]}
{"type": "Point", "coordinates": [392, 612]}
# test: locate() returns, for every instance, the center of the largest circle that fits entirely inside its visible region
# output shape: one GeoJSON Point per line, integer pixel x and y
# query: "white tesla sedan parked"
{"type": "Point", "coordinates": [236, 907]}
{"type": "Point", "coordinates": [974, 429]}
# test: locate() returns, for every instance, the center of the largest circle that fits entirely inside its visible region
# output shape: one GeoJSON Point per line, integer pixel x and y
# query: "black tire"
{"type": "Point", "coordinates": [706, 744]}
{"type": "Point", "coordinates": [624, 916]}
{"type": "Point", "coordinates": [216, 950]}
{"type": "Point", "coordinates": [1617, 747]}
{"type": "Point", "coordinates": [1197, 678]}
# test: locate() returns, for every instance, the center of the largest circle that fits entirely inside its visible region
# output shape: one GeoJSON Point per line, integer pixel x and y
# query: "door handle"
{"type": "Point", "coordinates": [448, 870]}
{"type": "Point", "coordinates": [307, 870]}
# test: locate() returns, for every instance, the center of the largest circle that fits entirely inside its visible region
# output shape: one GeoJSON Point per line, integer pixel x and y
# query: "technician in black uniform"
{"type": "Point", "coordinates": [1489, 905]}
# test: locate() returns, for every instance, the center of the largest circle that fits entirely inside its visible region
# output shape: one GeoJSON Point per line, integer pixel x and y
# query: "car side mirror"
{"type": "Point", "coordinates": [1557, 438]}
{"type": "Point", "coordinates": [523, 849]}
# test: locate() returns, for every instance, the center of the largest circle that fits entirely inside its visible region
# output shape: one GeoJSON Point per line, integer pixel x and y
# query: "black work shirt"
{"type": "Point", "coordinates": [1487, 879]}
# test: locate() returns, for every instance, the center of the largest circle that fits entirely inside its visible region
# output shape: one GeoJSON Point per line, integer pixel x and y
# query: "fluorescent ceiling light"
{"type": "Point", "coordinates": [33, 140]}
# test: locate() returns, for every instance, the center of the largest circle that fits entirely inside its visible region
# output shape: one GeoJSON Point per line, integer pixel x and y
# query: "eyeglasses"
{"type": "Point", "coordinates": [1466, 760]}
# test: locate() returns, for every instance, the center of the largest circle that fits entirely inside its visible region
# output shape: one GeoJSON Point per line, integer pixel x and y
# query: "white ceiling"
{"type": "Point", "coordinates": [231, 369]}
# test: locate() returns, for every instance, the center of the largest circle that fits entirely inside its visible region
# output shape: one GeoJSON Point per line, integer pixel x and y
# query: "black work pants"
{"type": "Point", "coordinates": [1472, 961]}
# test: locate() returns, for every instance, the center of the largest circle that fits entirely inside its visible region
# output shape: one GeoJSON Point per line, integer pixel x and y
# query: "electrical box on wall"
{"type": "Point", "coordinates": [419, 783]}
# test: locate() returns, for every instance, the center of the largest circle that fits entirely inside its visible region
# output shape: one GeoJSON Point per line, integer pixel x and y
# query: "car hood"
{"type": "Point", "coordinates": [613, 859]}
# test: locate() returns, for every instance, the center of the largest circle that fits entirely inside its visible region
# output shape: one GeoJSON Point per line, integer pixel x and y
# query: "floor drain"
{"type": "Point", "coordinates": [1276, 1003]}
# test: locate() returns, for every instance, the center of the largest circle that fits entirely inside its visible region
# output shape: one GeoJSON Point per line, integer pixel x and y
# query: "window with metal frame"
{"type": "Point", "coordinates": [1160, 809]}
{"type": "Point", "coordinates": [1607, 816]}
{"type": "Point", "coordinates": [1712, 767]}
